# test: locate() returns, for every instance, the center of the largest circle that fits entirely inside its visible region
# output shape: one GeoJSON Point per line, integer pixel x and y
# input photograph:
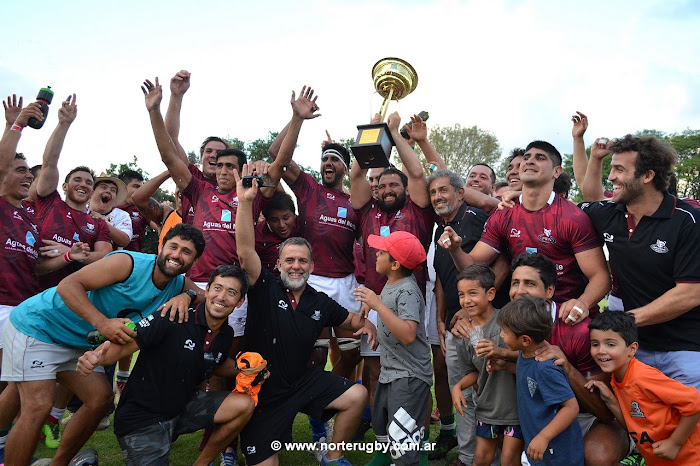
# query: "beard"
{"type": "Point", "coordinates": [161, 262]}
{"type": "Point", "coordinates": [395, 206]}
{"type": "Point", "coordinates": [294, 284]}
{"type": "Point", "coordinates": [630, 191]}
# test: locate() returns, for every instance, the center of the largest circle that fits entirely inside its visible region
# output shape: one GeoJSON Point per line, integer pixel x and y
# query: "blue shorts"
{"type": "Point", "coordinates": [491, 431]}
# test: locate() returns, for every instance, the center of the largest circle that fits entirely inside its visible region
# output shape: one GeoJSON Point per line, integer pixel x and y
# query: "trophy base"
{"type": "Point", "coordinates": [372, 148]}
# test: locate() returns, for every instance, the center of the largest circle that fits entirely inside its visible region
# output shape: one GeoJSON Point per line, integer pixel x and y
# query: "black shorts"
{"type": "Point", "coordinates": [273, 420]}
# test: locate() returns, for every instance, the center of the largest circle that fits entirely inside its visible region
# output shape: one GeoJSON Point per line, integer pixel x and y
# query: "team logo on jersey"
{"type": "Point", "coordinates": [379, 215]}
{"type": "Point", "coordinates": [135, 214]}
{"type": "Point", "coordinates": [76, 237]}
{"type": "Point", "coordinates": [68, 215]}
{"type": "Point", "coordinates": [384, 231]}
{"type": "Point", "coordinates": [342, 212]}
{"type": "Point", "coordinates": [282, 305]}
{"type": "Point", "coordinates": [399, 215]}
{"type": "Point", "coordinates": [635, 410]}
{"type": "Point", "coordinates": [225, 215]}
{"type": "Point", "coordinates": [531, 250]}
{"type": "Point", "coordinates": [559, 267]}
{"type": "Point", "coordinates": [547, 237]}
{"type": "Point", "coordinates": [36, 364]}
{"type": "Point", "coordinates": [330, 196]}
{"type": "Point", "coordinates": [29, 239]}
{"type": "Point", "coordinates": [514, 233]}
{"type": "Point", "coordinates": [90, 226]}
{"type": "Point", "coordinates": [316, 316]}
{"type": "Point", "coordinates": [531, 386]}
{"type": "Point", "coordinates": [251, 450]}
{"type": "Point", "coordinates": [214, 198]}
{"type": "Point", "coordinates": [16, 215]}
{"type": "Point", "coordinates": [608, 237]}
{"type": "Point", "coordinates": [659, 247]}
{"type": "Point", "coordinates": [189, 344]}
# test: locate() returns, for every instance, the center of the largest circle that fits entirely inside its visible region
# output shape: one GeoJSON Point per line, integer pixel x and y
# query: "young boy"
{"type": "Point", "coordinates": [547, 406]}
{"type": "Point", "coordinates": [496, 407]}
{"type": "Point", "coordinates": [403, 392]}
{"type": "Point", "coordinates": [660, 414]}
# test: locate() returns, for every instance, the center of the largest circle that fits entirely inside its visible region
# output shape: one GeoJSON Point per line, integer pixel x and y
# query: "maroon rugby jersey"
{"type": "Point", "coordinates": [267, 245]}
{"type": "Point", "coordinates": [575, 342]}
{"type": "Point", "coordinates": [187, 206]}
{"type": "Point", "coordinates": [329, 223]}
{"type": "Point", "coordinates": [63, 224]}
{"type": "Point", "coordinates": [557, 231]}
{"type": "Point", "coordinates": [138, 224]}
{"type": "Point", "coordinates": [359, 255]}
{"type": "Point", "coordinates": [21, 242]}
{"type": "Point", "coordinates": [411, 218]}
{"type": "Point", "coordinates": [215, 216]}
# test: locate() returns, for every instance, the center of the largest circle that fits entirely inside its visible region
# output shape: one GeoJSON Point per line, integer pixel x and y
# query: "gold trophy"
{"type": "Point", "coordinates": [393, 79]}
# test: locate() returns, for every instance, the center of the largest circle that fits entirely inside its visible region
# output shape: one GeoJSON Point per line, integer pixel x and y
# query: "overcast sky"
{"type": "Point", "coordinates": [516, 68]}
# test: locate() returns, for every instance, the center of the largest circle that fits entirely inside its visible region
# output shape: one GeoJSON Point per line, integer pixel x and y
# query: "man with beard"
{"type": "Point", "coordinates": [392, 210]}
{"type": "Point", "coordinates": [289, 316]}
{"type": "Point", "coordinates": [46, 334]}
{"type": "Point", "coordinates": [109, 192]}
{"type": "Point", "coordinates": [653, 242]}
{"type": "Point", "coordinates": [63, 223]}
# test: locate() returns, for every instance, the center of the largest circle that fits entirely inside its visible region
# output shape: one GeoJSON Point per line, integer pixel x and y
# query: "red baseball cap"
{"type": "Point", "coordinates": [403, 247]}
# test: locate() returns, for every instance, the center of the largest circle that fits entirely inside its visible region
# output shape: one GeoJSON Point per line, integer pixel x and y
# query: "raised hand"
{"type": "Point", "coordinates": [245, 193]}
{"type": "Point", "coordinates": [12, 108]}
{"type": "Point", "coordinates": [180, 82]}
{"type": "Point", "coordinates": [394, 121]}
{"type": "Point", "coordinates": [31, 110]}
{"type": "Point", "coordinates": [326, 141]}
{"type": "Point", "coordinates": [153, 94]}
{"type": "Point", "coordinates": [305, 106]}
{"type": "Point", "coordinates": [91, 359]}
{"type": "Point", "coordinates": [419, 130]}
{"type": "Point", "coordinates": [580, 125]}
{"type": "Point", "coordinates": [599, 149]}
{"type": "Point", "coordinates": [68, 110]}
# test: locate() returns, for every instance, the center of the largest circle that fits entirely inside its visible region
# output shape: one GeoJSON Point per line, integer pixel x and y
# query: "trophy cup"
{"type": "Point", "coordinates": [393, 79]}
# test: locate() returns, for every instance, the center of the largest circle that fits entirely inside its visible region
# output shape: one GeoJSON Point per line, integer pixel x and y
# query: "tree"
{"type": "Point", "coordinates": [461, 148]}
{"type": "Point", "coordinates": [687, 144]}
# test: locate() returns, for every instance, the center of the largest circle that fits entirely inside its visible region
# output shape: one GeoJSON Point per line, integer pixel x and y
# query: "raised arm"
{"type": "Point", "coordinates": [10, 138]}
{"type": "Point", "coordinates": [592, 187]}
{"type": "Point", "coordinates": [303, 108]}
{"type": "Point", "coordinates": [360, 189]}
{"type": "Point", "coordinates": [178, 86]}
{"type": "Point", "coordinates": [143, 199]}
{"type": "Point", "coordinates": [580, 160]}
{"type": "Point", "coordinates": [419, 133]}
{"type": "Point", "coordinates": [48, 178]}
{"type": "Point", "coordinates": [178, 169]}
{"type": "Point", "coordinates": [417, 186]}
{"type": "Point", "coordinates": [12, 110]}
{"type": "Point", "coordinates": [245, 230]}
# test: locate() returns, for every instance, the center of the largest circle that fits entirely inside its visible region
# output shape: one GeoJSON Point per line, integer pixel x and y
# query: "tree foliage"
{"type": "Point", "coordinates": [463, 147]}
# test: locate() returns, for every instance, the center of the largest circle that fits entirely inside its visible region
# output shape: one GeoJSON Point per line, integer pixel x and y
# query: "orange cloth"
{"type": "Point", "coordinates": [652, 404]}
{"type": "Point", "coordinates": [173, 219]}
{"type": "Point", "coordinates": [250, 378]}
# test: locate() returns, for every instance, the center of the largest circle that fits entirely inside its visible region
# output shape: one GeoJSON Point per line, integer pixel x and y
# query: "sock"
{"type": "Point", "coordinates": [122, 376]}
{"type": "Point", "coordinates": [367, 415]}
{"type": "Point", "coordinates": [233, 446]}
{"type": "Point", "coordinates": [3, 437]}
{"type": "Point", "coordinates": [318, 429]}
{"type": "Point", "coordinates": [448, 425]}
{"type": "Point", "coordinates": [380, 459]}
{"type": "Point", "coordinates": [56, 414]}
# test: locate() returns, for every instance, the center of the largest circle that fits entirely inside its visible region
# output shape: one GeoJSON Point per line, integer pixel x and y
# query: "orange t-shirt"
{"type": "Point", "coordinates": [173, 219]}
{"type": "Point", "coordinates": [652, 405]}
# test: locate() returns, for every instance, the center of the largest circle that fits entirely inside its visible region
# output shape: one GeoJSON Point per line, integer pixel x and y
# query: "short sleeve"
{"type": "Point", "coordinates": [581, 234]}
{"type": "Point", "coordinates": [493, 229]}
{"type": "Point", "coordinates": [336, 314]}
{"type": "Point", "coordinates": [193, 190]}
{"type": "Point", "coordinates": [102, 232]}
{"type": "Point", "coordinates": [686, 266]}
{"type": "Point", "coordinates": [665, 390]}
{"type": "Point", "coordinates": [553, 384]}
{"type": "Point", "coordinates": [409, 302]}
{"type": "Point", "coordinates": [599, 212]}
{"type": "Point", "coordinates": [303, 185]}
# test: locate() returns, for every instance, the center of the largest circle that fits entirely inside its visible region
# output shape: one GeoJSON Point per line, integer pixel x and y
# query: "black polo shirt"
{"type": "Point", "coordinates": [649, 259]}
{"type": "Point", "coordinates": [469, 224]}
{"type": "Point", "coordinates": [284, 332]}
{"type": "Point", "coordinates": [170, 367]}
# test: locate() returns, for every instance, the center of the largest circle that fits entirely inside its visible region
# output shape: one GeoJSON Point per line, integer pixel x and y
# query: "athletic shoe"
{"type": "Point", "coordinates": [228, 459]}
{"type": "Point", "coordinates": [633, 459]}
{"type": "Point", "coordinates": [443, 444]}
{"type": "Point", "coordinates": [65, 420]}
{"type": "Point", "coordinates": [41, 461]}
{"type": "Point", "coordinates": [342, 461]}
{"type": "Point", "coordinates": [435, 417]}
{"type": "Point", "coordinates": [52, 434]}
{"type": "Point", "coordinates": [87, 457]}
{"type": "Point", "coordinates": [104, 423]}
{"type": "Point", "coordinates": [319, 451]}
{"type": "Point", "coordinates": [362, 429]}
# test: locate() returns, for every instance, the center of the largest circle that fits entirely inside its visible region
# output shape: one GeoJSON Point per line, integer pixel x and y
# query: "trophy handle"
{"type": "Point", "coordinates": [385, 105]}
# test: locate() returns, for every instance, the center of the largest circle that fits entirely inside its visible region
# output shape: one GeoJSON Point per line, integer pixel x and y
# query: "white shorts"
{"type": "Point", "coordinates": [339, 289]}
{"type": "Point", "coordinates": [237, 318]}
{"type": "Point", "coordinates": [365, 349]}
{"type": "Point", "coordinates": [4, 314]}
{"type": "Point", "coordinates": [26, 359]}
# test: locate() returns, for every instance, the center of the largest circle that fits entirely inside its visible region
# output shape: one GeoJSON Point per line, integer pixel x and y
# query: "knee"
{"type": "Point", "coordinates": [358, 395]}
{"type": "Point", "coordinates": [602, 453]}
{"type": "Point", "coordinates": [100, 399]}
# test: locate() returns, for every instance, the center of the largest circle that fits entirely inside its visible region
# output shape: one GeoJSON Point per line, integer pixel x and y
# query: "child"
{"type": "Point", "coordinates": [547, 406]}
{"type": "Point", "coordinates": [496, 406]}
{"type": "Point", "coordinates": [403, 391]}
{"type": "Point", "coordinates": [660, 414]}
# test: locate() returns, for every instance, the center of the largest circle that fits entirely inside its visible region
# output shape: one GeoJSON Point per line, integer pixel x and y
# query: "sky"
{"type": "Point", "coordinates": [518, 69]}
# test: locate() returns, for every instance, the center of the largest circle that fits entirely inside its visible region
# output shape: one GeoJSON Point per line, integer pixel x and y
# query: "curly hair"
{"type": "Point", "coordinates": [652, 154]}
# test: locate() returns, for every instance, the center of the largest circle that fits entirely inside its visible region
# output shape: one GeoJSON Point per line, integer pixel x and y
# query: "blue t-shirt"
{"type": "Point", "coordinates": [47, 318]}
{"type": "Point", "coordinates": [542, 388]}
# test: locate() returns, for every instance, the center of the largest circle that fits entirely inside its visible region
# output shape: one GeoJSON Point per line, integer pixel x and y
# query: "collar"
{"type": "Point", "coordinates": [552, 196]}
{"type": "Point", "coordinates": [459, 217]}
{"type": "Point", "coordinates": [665, 210]}
{"type": "Point", "coordinates": [200, 315]}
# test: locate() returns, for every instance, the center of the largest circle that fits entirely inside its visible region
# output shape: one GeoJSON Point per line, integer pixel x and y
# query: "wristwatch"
{"type": "Point", "coordinates": [193, 296]}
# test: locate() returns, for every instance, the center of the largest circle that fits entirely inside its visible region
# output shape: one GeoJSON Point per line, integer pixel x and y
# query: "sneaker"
{"type": "Point", "coordinates": [65, 420]}
{"type": "Point", "coordinates": [443, 444]}
{"type": "Point", "coordinates": [362, 429]}
{"type": "Point", "coordinates": [41, 461]}
{"type": "Point", "coordinates": [435, 417]}
{"type": "Point", "coordinates": [228, 459]}
{"type": "Point", "coordinates": [52, 434]}
{"type": "Point", "coordinates": [87, 457]}
{"type": "Point", "coordinates": [104, 423]}
{"type": "Point", "coordinates": [342, 461]}
{"type": "Point", "coordinates": [319, 451]}
{"type": "Point", "coordinates": [633, 459]}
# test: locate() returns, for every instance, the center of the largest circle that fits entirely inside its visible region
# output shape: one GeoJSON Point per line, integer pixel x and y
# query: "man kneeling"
{"type": "Point", "coordinates": [162, 399]}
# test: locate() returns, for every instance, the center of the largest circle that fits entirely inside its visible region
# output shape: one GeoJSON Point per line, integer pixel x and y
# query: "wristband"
{"type": "Point", "coordinates": [66, 256]}
{"type": "Point", "coordinates": [17, 127]}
